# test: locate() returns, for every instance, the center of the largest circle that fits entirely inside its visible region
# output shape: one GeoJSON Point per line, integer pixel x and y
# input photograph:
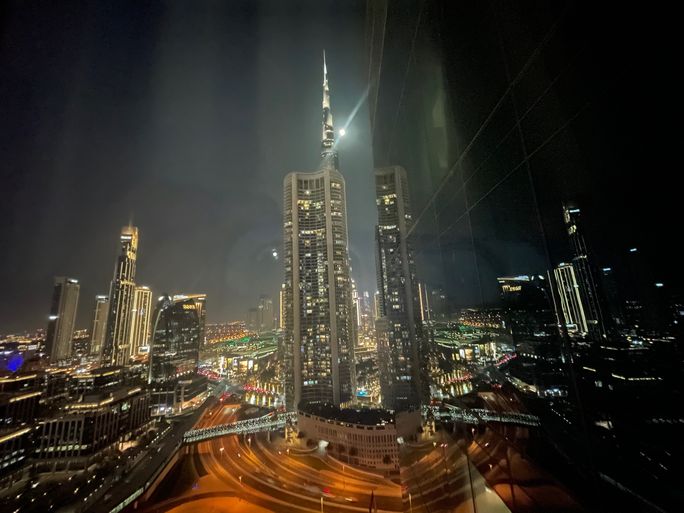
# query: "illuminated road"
{"type": "Point", "coordinates": [268, 422]}
{"type": "Point", "coordinates": [440, 478]}
{"type": "Point", "coordinates": [482, 416]}
{"type": "Point", "coordinates": [249, 473]}
{"type": "Point", "coordinates": [273, 422]}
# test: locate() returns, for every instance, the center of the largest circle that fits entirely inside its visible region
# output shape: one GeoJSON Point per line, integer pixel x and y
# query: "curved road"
{"type": "Point", "coordinates": [265, 475]}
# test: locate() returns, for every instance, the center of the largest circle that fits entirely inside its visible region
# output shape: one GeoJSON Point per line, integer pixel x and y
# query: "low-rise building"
{"type": "Point", "coordinates": [89, 427]}
{"type": "Point", "coordinates": [178, 395]}
{"type": "Point", "coordinates": [364, 438]}
{"type": "Point", "coordinates": [15, 444]}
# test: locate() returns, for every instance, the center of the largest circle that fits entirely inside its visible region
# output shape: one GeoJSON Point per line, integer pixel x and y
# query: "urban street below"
{"type": "Point", "coordinates": [340, 256]}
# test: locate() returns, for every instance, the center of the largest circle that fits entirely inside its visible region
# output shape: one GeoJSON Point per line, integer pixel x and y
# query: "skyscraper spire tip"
{"type": "Point", "coordinates": [328, 135]}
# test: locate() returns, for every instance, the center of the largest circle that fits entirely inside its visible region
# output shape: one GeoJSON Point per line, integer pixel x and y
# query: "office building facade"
{"type": "Point", "coordinates": [98, 330]}
{"type": "Point", "coordinates": [90, 426]}
{"type": "Point", "coordinates": [584, 273]}
{"type": "Point", "coordinates": [174, 350]}
{"type": "Point", "coordinates": [570, 298]}
{"type": "Point", "coordinates": [62, 318]}
{"type": "Point", "coordinates": [265, 314]}
{"type": "Point", "coordinates": [174, 354]}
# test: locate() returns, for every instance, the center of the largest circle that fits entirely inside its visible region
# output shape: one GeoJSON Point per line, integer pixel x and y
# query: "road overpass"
{"type": "Point", "coordinates": [269, 422]}
{"type": "Point", "coordinates": [483, 416]}
{"type": "Point", "coordinates": [274, 421]}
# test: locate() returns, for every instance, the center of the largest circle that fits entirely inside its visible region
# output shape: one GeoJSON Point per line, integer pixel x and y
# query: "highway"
{"type": "Point", "coordinates": [258, 472]}
{"type": "Point", "coordinates": [250, 473]}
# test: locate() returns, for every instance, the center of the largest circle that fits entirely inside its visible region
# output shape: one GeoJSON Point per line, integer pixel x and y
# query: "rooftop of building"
{"type": "Point", "coordinates": [99, 372]}
{"type": "Point", "coordinates": [96, 400]}
{"type": "Point", "coordinates": [365, 417]}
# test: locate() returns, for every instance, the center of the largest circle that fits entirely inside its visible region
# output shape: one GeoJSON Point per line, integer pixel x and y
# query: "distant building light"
{"type": "Point", "coordinates": [607, 269]}
{"type": "Point", "coordinates": [53, 317]}
{"type": "Point", "coordinates": [633, 250]}
{"type": "Point", "coordinates": [659, 285]}
{"type": "Point", "coordinates": [574, 210]}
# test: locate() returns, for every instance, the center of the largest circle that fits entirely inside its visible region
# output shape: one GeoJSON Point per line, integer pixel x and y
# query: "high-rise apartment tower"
{"type": "Point", "coordinates": [318, 340]}
{"type": "Point", "coordinates": [117, 349]}
{"type": "Point", "coordinates": [399, 349]}
{"type": "Point", "coordinates": [62, 318]}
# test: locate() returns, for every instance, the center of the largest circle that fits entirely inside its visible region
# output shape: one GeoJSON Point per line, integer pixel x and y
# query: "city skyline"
{"type": "Point", "coordinates": [184, 176]}
{"type": "Point", "coordinates": [71, 158]}
{"type": "Point", "coordinates": [467, 299]}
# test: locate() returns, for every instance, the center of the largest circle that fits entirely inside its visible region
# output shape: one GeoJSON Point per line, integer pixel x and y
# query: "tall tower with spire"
{"type": "Point", "coordinates": [328, 153]}
{"type": "Point", "coordinates": [319, 350]}
{"type": "Point", "coordinates": [116, 350]}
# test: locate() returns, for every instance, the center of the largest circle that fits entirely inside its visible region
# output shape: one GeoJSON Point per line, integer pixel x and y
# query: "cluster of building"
{"type": "Point", "coordinates": [74, 397]}
{"type": "Point", "coordinates": [222, 332]}
{"type": "Point", "coordinates": [329, 329]}
{"type": "Point", "coordinates": [323, 313]}
{"type": "Point", "coordinates": [262, 317]}
{"type": "Point", "coordinates": [57, 420]}
{"type": "Point", "coordinates": [595, 339]}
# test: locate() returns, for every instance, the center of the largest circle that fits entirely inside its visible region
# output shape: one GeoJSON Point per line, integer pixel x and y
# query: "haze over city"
{"type": "Point", "coordinates": [330, 256]}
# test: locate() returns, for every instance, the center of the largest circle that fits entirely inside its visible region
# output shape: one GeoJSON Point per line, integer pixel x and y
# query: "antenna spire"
{"type": "Point", "coordinates": [327, 131]}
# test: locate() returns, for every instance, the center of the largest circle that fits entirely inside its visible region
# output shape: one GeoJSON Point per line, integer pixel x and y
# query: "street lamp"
{"type": "Point", "coordinates": [410, 504]}
{"type": "Point", "coordinates": [444, 446]}
{"type": "Point", "coordinates": [321, 504]}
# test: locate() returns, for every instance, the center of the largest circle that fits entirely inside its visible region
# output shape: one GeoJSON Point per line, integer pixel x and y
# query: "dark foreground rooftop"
{"type": "Point", "coordinates": [368, 417]}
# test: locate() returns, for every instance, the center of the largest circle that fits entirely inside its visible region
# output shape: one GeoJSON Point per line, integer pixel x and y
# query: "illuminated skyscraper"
{"type": "Point", "coordinates": [399, 348]}
{"type": "Point", "coordinates": [612, 296]}
{"type": "Point", "coordinates": [355, 312]}
{"type": "Point", "coordinates": [572, 308]}
{"type": "Point", "coordinates": [584, 273]}
{"type": "Point", "coordinates": [528, 311]}
{"type": "Point", "coordinates": [253, 319]}
{"type": "Point", "coordinates": [319, 349]}
{"type": "Point", "coordinates": [377, 305]}
{"type": "Point", "coordinates": [62, 318]}
{"type": "Point", "coordinates": [201, 307]}
{"type": "Point", "coordinates": [140, 319]}
{"type": "Point", "coordinates": [99, 327]}
{"type": "Point", "coordinates": [174, 351]}
{"type": "Point", "coordinates": [117, 350]}
{"type": "Point", "coordinates": [424, 302]}
{"type": "Point", "coordinates": [281, 307]}
{"type": "Point", "coordinates": [177, 335]}
{"type": "Point", "coordinates": [265, 317]}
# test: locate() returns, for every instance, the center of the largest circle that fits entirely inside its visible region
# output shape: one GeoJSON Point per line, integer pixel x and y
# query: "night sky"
{"type": "Point", "coordinates": [182, 117]}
